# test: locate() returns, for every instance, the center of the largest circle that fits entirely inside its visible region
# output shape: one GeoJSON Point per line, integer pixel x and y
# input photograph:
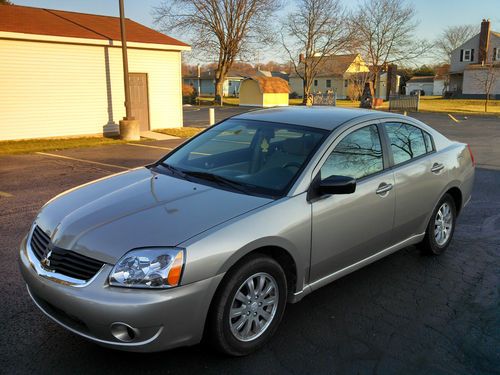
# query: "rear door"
{"type": "Point", "coordinates": [139, 99]}
{"type": "Point", "coordinates": [420, 176]}
{"type": "Point", "coordinates": [349, 228]}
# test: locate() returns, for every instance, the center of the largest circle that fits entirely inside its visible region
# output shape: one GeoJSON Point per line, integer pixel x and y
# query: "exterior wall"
{"type": "Point", "coordinates": [458, 66]}
{"type": "Point", "coordinates": [428, 87]}
{"type": "Point", "coordinates": [438, 88]}
{"type": "Point", "coordinates": [207, 86]}
{"type": "Point", "coordinates": [473, 86]}
{"type": "Point", "coordinates": [381, 89]}
{"type": "Point", "coordinates": [250, 94]}
{"type": "Point", "coordinates": [337, 85]}
{"type": "Point", "coordinates": [358, 66]}
{"type": "Point", "coordinates": [456, 82]}
{"type": "Point", "coordinates": [59, 89]}
{"type": "Point", "coordinates": [296, 85]}
{"type": "Point", "coordinates": [231, 87]}
{"type": "Point", "coordinates": [273, 100]}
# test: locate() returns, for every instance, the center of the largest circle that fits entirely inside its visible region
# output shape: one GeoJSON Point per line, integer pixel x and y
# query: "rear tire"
{"type": "Point", "coordinates": [441, 227]}
{"type": "Point", "coordinates": [250, 293]}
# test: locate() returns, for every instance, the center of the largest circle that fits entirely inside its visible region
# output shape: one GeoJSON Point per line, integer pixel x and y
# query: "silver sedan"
{"type": "Point", "coordinates": [259, 210]}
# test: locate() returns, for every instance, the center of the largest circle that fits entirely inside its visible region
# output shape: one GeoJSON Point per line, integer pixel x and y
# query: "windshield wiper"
{"type": "Point", "coordinates": [218, 179]}
{"type": "Point", "coordinates": [173, 170]}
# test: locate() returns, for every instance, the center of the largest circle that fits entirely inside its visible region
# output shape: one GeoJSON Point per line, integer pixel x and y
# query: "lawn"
{"type": "Point", "coordinates": [427, 104]}
{"type": "Point", "coordinates": [184, 132]}
{"type": "Point", "coordinates": [38, 145]}
{"type": "Point", "coordinates": [466, 106]}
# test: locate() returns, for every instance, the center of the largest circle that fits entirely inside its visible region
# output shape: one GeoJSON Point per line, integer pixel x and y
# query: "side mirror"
{"type": "Point", "coordinates": [337, 185]}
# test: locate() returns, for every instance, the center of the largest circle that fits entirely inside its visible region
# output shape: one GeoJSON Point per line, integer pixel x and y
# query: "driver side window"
{"type": "Point", "coordinates": [358, 155]}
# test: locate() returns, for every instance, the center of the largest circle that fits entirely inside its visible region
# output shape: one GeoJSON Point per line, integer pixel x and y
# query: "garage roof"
{"type": "Point", "coordinates": [30, 20]}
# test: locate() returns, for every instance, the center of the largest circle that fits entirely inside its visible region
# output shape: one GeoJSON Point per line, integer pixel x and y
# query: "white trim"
{"type": "Point", "coordinates": [470, 54]}
{"type": "Point", "coordinates": [97, 42]}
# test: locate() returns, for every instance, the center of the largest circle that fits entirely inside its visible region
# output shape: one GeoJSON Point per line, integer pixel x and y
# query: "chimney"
{"type": "Point", "coordinates": [301, 58]}
{"type": "Point", "coordinates": [484, 41]}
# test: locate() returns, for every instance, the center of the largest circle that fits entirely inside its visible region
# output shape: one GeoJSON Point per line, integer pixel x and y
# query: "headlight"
{"type": "Point", "coordinates": [149, 268]}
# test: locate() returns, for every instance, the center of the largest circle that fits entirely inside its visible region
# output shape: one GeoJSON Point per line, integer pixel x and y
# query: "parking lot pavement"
{"type": "Point", "coordinates": [404, 314]}
{"type": "Point", "coordinates": [198, 116]}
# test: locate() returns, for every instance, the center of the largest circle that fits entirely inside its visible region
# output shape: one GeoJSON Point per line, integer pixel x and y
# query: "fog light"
{"type": "Point", "coordinates": [124, 332]}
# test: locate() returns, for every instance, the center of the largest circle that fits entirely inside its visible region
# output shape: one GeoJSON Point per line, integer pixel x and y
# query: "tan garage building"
{"type": "Point", "coordinates": [61, 74]}
{"type": "Point", "coordinates": [264, 92]}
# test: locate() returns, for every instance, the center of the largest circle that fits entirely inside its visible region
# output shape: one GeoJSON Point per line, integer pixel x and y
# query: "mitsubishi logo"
{"type": "Point", "coordinates": [46, 260]}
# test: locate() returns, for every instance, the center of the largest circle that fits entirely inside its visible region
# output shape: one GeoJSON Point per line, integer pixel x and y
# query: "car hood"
{"type": "Point", "coordinates": [139, 208]}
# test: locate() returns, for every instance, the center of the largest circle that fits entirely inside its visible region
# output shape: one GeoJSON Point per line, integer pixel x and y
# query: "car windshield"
{"type": "Point", "coordinates": [251, 157]}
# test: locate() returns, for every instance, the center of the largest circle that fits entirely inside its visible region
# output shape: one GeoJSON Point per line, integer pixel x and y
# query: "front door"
{"type": "Point", "coordinates": [352, 227]}
{"type": "Point", "coordinates": [139, 99]}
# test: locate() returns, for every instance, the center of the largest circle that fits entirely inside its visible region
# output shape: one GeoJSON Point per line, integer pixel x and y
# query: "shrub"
{"type": "Point", "coordinates": [189, 94]}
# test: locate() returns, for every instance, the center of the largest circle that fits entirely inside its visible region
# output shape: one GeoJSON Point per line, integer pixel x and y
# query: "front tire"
{"type": "Point", "coordinates": [248, 306]}
{"type": "Point", "coordinates": [441, 227]}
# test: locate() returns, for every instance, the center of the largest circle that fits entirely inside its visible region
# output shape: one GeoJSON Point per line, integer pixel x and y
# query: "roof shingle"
{"type": "Point", "coordinates": [30, 20]}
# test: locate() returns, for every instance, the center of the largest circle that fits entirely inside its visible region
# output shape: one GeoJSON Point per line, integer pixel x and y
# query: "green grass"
{"type": "Point", "coordinates": [465, 106]}
{"type": "Point", "coordinates": [185, 132]}
{"type": "Point", "coordinates": [209, 100]}
{"type": "Point", "coordinates": [39, 145]}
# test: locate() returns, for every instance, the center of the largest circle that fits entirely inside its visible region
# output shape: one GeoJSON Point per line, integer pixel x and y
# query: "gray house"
{"type": "Point", "coordinates": [473, 62]}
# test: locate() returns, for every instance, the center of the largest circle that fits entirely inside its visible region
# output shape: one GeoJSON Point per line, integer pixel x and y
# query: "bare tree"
{"type": "Point", "coordinates": [221, 29]}
{"type": "Point", "coordinates": [485, 78]}
{"type": "Point", "coordinates": [356, 85]}
{"type": "Point", "coordinates": [5, 2]}
{"type": "Point", "coordinates": [312, 32]}
{"type": "Point", "coordinates": [385, 32]}
{"type": "Point", "coordinates": [453, 37]}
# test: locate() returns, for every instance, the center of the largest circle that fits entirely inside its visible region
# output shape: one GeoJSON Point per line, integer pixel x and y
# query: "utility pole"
{"type": "Point", "coordinates": [125, 62]}
{"type": "Point", "coordinates": [129, 127]}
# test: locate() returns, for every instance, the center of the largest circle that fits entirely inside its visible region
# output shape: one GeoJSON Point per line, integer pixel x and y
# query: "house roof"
{"type": "Point", "coordinates": [268, 73]}
{"type": "Point", "coordinates": [271, 85]}
{"type": "Point", "coordinates": [334, 65]}
{"type": "Point", "coordinates": [40, 21]}
{"type": "Point", "coordinates": [210, 74]}
{"type": "Point", "coordinates": [422, 79]}
{"type": "Point", "coordinates": [495, 65]}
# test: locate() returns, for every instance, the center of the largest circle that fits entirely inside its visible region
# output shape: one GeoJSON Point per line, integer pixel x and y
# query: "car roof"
{"type": "Point", "coordinates": [321, 117]}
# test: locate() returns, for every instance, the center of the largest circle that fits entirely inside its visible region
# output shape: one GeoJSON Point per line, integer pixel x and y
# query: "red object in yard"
{"type": "Point", "coordinates": [377, 102]}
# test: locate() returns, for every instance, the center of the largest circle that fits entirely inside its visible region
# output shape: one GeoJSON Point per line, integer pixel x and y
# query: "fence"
{"type": "Point", "coordinates": [404, 103]}
{"type": "Point", "coordinates": [327, 98]}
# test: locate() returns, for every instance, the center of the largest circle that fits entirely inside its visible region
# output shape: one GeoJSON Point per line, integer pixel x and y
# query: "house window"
{"type": "Point", "coordinates": [467, 55]}
{"type": "Point", "coordinates": [496, 54]}
{"type": "Point", "coordinates": [328, 83]}
{"type": "Point", "coordinates": [230, 83]}
{"type": "Point", "coordinates": [316, 83]}
{"type": "Point", "coordinates": [346, 82]}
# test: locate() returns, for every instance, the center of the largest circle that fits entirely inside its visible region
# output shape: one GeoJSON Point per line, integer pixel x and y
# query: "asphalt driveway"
{"type": "Point", "coordinates": [404, 314]}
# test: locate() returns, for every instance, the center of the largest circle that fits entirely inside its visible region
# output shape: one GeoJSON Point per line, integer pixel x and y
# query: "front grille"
{"type": "Point", "coordinates": [62, 261]}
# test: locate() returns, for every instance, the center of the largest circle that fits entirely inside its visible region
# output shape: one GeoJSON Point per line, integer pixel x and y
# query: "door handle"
{"type": "Point", "coordinates": [383, 188]}
{"type": "Point", "coordinates": [436, 167]}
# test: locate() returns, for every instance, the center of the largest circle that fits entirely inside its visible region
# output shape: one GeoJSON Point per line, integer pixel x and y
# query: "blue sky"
{"type": "Point", "coordinates": [434, 15]}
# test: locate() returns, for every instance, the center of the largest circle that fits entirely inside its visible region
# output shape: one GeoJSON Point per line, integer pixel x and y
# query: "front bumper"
{"type": "Point", "coordinates": [164, 319]}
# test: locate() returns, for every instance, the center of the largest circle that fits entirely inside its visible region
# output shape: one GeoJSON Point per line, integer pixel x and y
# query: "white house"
{"type": "Point", "coordinates": [334, 73]}
{"type": "Point", "coordinates": [61, 74]}
{"type": "Point", "coordinates": [472, 61]}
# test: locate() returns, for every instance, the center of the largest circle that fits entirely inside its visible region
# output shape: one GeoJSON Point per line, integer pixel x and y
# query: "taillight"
{"type": "Point", "coordinates": [471, 156]}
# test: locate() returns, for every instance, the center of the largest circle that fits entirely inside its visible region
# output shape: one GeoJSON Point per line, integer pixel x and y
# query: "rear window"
{"type": "Point", "coordinates": [406, 141]}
